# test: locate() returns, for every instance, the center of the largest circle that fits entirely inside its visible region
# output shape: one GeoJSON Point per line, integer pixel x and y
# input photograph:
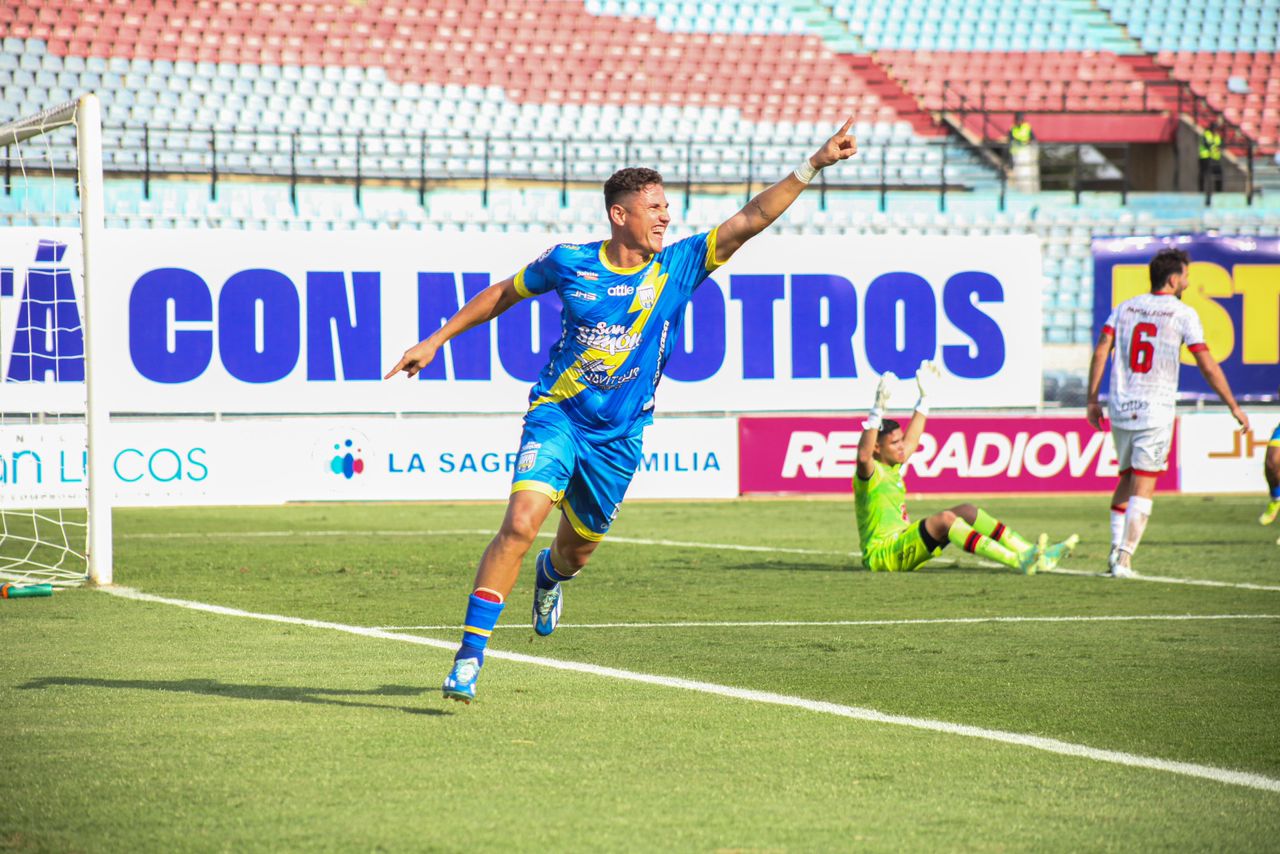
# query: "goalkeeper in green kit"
{"type": "Point", "coordinates": [890, 542]}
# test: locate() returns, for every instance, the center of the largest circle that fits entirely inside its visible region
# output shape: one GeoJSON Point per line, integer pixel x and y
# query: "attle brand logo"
{"type": "Point", "coordinates": [346, 462]}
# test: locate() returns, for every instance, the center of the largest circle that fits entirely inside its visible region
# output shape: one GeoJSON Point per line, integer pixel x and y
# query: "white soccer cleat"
{"type": "Point", "coordinates": [1118, 565]}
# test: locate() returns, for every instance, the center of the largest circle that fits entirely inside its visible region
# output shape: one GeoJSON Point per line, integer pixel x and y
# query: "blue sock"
{"type": "Point", "coordinates": [482, 616]}
{"type": "Point", "coordinates": [547, 576]}
{"type": "Point", "coordinates": [1275, 492]}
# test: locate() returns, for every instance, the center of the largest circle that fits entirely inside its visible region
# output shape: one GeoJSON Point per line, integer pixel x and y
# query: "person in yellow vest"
{"type": "Point", "coordinates": [1020, 135]}
{"type": "Point", "coordinates": [1024, 158]}
{"type": "Point", "coordinates": [1211, 156]}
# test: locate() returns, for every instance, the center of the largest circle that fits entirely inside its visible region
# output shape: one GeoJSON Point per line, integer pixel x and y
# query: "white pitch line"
{"type": "Point", "coordinates": [185, 535]}
{"type": "Point", "coordinates": [176, 535]}
{"type": "Point", "coordinates": [744, 624]}
{"type": "Point", "coordinates": [1165, 579]}
{"type": "Point", "coordinates": [1050, 745]}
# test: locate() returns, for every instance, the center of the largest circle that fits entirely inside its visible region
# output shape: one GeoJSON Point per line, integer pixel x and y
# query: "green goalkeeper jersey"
{"type": "Point", "coordinates": [880, 504]}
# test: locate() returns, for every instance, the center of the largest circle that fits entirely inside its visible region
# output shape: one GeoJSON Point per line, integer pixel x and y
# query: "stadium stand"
{"type": "Point", "coordinates": [1225, 51]}
{"type": "Point", "coordinates": [459, 115]}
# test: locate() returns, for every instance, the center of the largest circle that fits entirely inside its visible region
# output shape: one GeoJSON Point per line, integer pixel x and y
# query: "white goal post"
{"type": "Point", "coordinates": [63, 556]}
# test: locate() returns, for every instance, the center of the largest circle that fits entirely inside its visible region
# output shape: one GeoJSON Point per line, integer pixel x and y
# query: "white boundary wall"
{"type": "Point", "coordinates": [271, 461]}
{"type": "Point", "coordinates": [1216, 457]}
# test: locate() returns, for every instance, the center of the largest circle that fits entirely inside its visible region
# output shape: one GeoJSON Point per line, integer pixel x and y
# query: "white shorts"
{"type": "Point", "coordinates": [1142, 451]}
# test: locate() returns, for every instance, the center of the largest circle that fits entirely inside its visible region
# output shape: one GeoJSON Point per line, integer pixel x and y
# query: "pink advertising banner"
{"type": "Point", "coordinates": [956, 455]}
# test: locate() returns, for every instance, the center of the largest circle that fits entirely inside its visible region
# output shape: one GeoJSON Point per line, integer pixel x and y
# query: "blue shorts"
{"type": "Point", "coordinates": [586, 478]}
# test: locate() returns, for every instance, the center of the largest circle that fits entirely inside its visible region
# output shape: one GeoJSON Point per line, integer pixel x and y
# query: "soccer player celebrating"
{"type": "Point", "coordinates": [624, 302]}
{"type": "Point", "coordinates": [1147, 333]}
{"type": "Point", "coordinates": [1271, 468]}
{"type": "Point", "coordinates": [890, 541]}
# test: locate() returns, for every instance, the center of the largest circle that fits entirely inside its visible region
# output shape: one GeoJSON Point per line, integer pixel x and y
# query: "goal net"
{"type": "Point", "coordinates": [55, 504]}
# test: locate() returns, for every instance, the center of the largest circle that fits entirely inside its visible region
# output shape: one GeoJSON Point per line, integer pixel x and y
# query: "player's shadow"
{"type": "Point", "coordinates": [281, 693]}
{"type": "Point", "coordinates": [855, 565]}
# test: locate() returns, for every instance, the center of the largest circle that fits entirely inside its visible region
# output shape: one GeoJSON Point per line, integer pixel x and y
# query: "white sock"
{"type": "Point", "coordinates": [1135, 522]}
{"type": "Point", "coordinates": [1117, 527]}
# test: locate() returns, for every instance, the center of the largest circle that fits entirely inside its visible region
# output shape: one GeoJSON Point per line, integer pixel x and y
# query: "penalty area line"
{"type": "Point", "coordinates": [1049, 745]}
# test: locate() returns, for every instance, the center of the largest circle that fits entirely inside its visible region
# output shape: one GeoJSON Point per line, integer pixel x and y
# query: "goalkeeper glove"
{"type": "Point", "coordinates": [926, 375]}
{"type": "Point", "coordinates": [876, 418]}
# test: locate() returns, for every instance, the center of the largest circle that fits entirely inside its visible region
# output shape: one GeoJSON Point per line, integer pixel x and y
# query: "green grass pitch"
{"type": "Point", "coordinates": [140, 726]}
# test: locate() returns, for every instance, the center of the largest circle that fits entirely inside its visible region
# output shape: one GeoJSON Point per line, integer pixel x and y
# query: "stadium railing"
{"type": "Point", "coordinates": [989, 123]}
{"type": "Point", "coordinates": [361, 158]}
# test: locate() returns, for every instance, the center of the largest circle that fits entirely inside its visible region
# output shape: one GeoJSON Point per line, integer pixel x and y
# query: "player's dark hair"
{"type": "Point", "coordinates": [622, 183]}
{"type": "Point", "coordinates": [1168, 262]}
{"type": "Point", "coordinates": [888, 426]}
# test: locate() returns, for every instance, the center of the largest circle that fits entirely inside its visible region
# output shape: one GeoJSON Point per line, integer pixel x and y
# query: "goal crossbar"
{"type": "Point", "coordinates": [22, 129]}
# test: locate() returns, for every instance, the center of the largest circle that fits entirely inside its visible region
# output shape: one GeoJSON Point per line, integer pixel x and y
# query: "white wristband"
{"type": "Point", "coordinates": [874, 420]}
{"type": "Point", "coordinates": [922, 406]}
{"type": "Point", "coordinates": [805, 171]}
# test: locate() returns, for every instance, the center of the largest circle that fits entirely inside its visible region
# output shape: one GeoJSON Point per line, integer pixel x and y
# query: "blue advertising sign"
{"type": "Point", "coordinates": [1235, 288]}
{"type": "Point", "coordinates": [261, 322]}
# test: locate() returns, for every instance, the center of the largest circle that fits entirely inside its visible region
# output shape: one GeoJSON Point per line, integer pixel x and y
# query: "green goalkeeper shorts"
{"type": "Point", "coordinates": [901, 551]}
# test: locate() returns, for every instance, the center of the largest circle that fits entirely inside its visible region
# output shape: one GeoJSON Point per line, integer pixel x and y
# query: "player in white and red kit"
{"type": "Point", "coordinates": [1147, 333]}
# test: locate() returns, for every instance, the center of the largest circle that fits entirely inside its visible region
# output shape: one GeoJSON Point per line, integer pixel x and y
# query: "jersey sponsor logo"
{"type": "Point", "coordinates": [621, 291]}
{"type": "Point", "coordinates": [603, 380]}
{"type": "Point", "coordinates": [662, 349]}
{"type": "Point", "coordinates": [609, 338]}
{"type": "Point", "coordinates": [588, 275]}
{"type": "Point", "coordinates": [585, 296]}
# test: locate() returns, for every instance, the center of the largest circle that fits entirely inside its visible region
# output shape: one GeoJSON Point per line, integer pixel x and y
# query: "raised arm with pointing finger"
{"type": "Point", "coordinates": [760, 213]}
{"type": "Point", "coordinates": [765, 208]}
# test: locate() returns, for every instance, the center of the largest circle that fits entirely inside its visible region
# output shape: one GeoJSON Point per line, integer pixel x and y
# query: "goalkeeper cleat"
{"type": "Point", "coordinates": [1055, 553]}
{"type": "Point", "coordinates": [1031, 561]}
{"type": "Point", "coordinates": [547, 602]}
{"type": "Point", "coordinates": [460, 684]}
{"type": "Point", "coordinates": [1269, 515]}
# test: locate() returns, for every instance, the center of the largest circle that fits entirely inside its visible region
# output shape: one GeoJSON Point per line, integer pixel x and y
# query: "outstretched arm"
{"type": "Point", "coordinates": [768, 205]}
{"type": "Point", "coordinates": [867, 450]}
{"type": "Point", "coordinates": [1097, 365]}
{"type": "Point", "coordinates": [1218, 382]}
{"type": "Point", "coordinates": [481, 308]}
{"type": "Point", "coordinates": [871, 428]}
{"type": "Point", "coordinates": [911, 439]}
{"type": "Point", "coordinates": [927, 376]}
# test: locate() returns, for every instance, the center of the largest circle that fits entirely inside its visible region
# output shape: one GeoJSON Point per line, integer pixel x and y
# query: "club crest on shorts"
{"type": "Point", "coordinates": [528, 457]}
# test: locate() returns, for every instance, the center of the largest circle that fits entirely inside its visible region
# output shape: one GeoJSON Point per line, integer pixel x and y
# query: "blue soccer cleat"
{"type": "Point", "coordinates": [460, 684]}
{"type": "Point", "coordinates": [547, 601]}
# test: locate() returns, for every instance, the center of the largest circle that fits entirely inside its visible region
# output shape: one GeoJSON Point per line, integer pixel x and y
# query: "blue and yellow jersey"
{"type": "Point", "coordinates": [1274, 442]}
{"type": "Point", "coordinates": [618, 329]}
